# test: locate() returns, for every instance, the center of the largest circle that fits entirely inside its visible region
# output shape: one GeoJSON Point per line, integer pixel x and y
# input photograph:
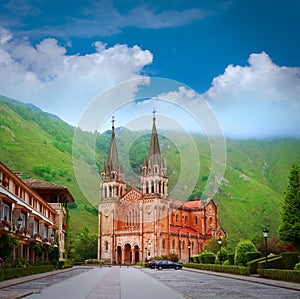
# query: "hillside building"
{"type": "Point", "coordinates": [35, 212]}
{"type": "Point", "coordinates": [140, 224]}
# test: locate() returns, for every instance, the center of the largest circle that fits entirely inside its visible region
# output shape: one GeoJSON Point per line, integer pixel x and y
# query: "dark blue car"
{"type": "Point", "coordinates": [167, 265]}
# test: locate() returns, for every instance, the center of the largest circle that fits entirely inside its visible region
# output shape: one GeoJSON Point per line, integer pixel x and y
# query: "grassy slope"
{"type": "Point", "coordinates": [24, 145]}
{"type": "Point", "coordinates": [245, 206]}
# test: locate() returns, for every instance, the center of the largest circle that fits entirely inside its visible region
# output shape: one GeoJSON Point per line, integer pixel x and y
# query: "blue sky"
{"type": "Point", "coordinates": [241, 56]}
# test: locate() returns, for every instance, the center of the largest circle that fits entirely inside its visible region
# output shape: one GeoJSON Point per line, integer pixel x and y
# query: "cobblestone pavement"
{"type": "Point", "coordinates": [34, 286]}
{"type": "Point", "coordinates": [195, 285]}
{"type": "Point", "coordinates": [137, 283]}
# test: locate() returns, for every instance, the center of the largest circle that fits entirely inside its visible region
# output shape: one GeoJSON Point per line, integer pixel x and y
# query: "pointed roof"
{"type": "Point", "coordinates": [154, 144]}
{"type": "Point", "coordinates": [113, 158]}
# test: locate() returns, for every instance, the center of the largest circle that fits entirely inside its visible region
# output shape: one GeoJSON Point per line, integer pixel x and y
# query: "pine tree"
{"type": "Point", "coordinates": [289, 230]}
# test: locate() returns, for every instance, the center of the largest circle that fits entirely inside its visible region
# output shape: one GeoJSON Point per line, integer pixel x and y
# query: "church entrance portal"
{"type": "Point", "coordinates": [136, 253]}
{"type": "Point", "coordinates": [119, 255]}
{"type": "Point", "coordinates": [127, 254]}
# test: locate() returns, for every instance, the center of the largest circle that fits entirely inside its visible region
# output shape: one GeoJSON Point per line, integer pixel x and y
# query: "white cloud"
{"type": "Point", "coordinates": [64, 84]}
{"type": "Point", "coordinates": [261, 99]}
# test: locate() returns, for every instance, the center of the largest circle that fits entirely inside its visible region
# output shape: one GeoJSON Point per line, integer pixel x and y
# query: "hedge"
{"type": "Point", "coordinates": [20, 272]}
{"type": "Point", "coordinates": [65, 264]}
{"type": "Point", "coordinates": [288, 275]}
{"type": "Point", "coordinates": [253, 265]}
{"type": "Point", "coordinates": [290, 259]}
{"type": "Point", "coordinates": [230, 257]}
{"type": "Point", "coordinates": [273, 263]}
{"type": "Point", "coordinates": [220, 268]}
{"type": "Point", "coordinates": [207, 258]}
{"type": "Point", "coordinates": [252, 255]}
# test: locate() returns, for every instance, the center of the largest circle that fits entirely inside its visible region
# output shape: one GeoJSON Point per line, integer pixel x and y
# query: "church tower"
{"type": "Point", "coordinates": [113, 185]}
{"type": "Point", "coordinates": [153, 179]}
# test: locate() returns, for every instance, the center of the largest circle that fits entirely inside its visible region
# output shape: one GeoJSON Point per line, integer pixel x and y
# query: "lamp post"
{"type": "Point", "coordinates": [189, 249]}
{"type": "Point", "coordinates": [145, 254]}
{"type": "Point", "coordinates": [220, 244]}
{"type": "Point", "coordinates": [265, 234]}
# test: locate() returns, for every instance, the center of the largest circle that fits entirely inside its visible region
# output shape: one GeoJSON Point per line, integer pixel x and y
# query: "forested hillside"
{"type": "Point", "coordinates": [40, 145]}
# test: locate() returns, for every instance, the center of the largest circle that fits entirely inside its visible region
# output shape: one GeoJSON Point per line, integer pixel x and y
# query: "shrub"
{"type": "Point", "coordinates": [220, 268]}
{"type": "Point", "coordinates": [222, 255]}
{"type": "Point", "coordinates": [230, 257]}
{"type": "Point", "coordinates": [252, 255]}
{"type": "Point", "coordinates": [20, 272]}
{"type": "Point", "coordinates": [242, 248]}
{"type": "Point", "coordinates": [207, 257]}
{"type": "Point", "coordinates": [297, 267]}
{"type": "Point", "coordinates": [94, 262]}
{"type": "Point", "coordinates": [273, 263]}
{"type": "Point", "coordinates": [290, 259]}
{"type": "Point", "coordinates": [65, 264]}
{"type": "Point", "coordinates": [195, 258]}
{"type": "Point", "coordinates": [288, 275]}
{"type": "Point", "coordinates": [253, 265]}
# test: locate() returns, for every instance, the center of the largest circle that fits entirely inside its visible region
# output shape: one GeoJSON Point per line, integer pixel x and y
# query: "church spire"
{"type": "Point", "coordinates": [153, 179]}
{"type": "Point", "coordinates": [154, 149]}
{"type": "Point", "coordinates": [112, 168]}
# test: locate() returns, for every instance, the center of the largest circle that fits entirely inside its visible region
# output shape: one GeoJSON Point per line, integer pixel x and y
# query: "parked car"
{"type": "Point", "coordinates": [152, 264]}
{"type": "Point", "coordinates": [167, 265]}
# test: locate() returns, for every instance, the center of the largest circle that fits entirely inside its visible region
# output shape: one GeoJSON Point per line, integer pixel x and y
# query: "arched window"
{"type": "Point", "coordinates": [163, 245]}
{"type": "Point", "coordinates": [136, 218]}
{"type": "Point", "coordinates": [152, 186]}
{"type": "Point", "coordinates": [147, 187]}
{"type": "Point", "coordinates": [196, 220]}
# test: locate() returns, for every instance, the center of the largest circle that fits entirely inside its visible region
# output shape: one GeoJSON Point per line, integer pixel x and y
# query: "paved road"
{"type": "Point", "coordinates": [134, 283]}
{"type": "Point", "coordinates": [198, 284]}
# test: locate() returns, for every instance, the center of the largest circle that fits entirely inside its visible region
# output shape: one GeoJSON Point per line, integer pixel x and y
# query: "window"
{"type": "Point", "coordinates": [196, 220]}
{"type": "Point", "coordinates": [45, 231]}
{"type": "Point", "coordinates": [5, 213]}
{"type": "Point", "coordinates": [35, 226]}
{"type": "Point", "coordinates": [163, 245]}
{"type": "Point", "coordinates": [173, 244]}
{"type": "Point", "coordinates": [106, 245]}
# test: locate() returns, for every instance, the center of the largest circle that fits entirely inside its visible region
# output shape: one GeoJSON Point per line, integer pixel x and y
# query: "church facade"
{"type": "Point", "coordinates": [140, 224]}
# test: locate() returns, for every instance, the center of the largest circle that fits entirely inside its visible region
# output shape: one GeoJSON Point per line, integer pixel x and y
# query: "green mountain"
{"type": "Point", "coordinates": [41, 146]}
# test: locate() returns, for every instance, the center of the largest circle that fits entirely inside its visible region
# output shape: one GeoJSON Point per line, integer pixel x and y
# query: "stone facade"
{"type": "Point", "coordinates": [139, 224]}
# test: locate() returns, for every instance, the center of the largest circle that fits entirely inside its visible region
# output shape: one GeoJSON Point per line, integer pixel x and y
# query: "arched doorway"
{"type": "Point", "coordinates": [127, 254]}
{"type": "Point", "coordinates": [119, 255]}
{"type": "Point", "coordinates": [136, 254]}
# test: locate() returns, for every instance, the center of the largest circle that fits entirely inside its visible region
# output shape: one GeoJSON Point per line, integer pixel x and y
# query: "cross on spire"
{"type": "Point", "coordinates": [113, 121]}
{"type": "Point", "coordinates": [154, 111]}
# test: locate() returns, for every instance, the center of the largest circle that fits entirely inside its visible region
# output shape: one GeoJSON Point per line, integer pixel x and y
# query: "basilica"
{"type": "Point", "coordinates": [138, 224]}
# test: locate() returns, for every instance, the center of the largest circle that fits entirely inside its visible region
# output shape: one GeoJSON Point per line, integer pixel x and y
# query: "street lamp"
{"type": "Point", "coordinates": [189, 249]}
{"type": "Point", "coordinates": [265, 234]}
{"type": "Point", "coordinates": [220, 244]}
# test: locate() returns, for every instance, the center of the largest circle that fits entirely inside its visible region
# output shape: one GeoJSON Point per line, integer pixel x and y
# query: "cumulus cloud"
{"type": "Point", "coordinates": [45, 75]}
{"type": "Point", "coordinates": [260, 99]}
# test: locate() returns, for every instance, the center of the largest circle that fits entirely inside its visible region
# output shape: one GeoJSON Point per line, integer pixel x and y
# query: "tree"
{"type": "Point", "coordinates": [244, 246]}
{"type": "Point", "coordinates": [85, 245]}
{"type": "Point", "coordinates": [7, 244]}
{"type": "Point", "coordinates": [289, 230]}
